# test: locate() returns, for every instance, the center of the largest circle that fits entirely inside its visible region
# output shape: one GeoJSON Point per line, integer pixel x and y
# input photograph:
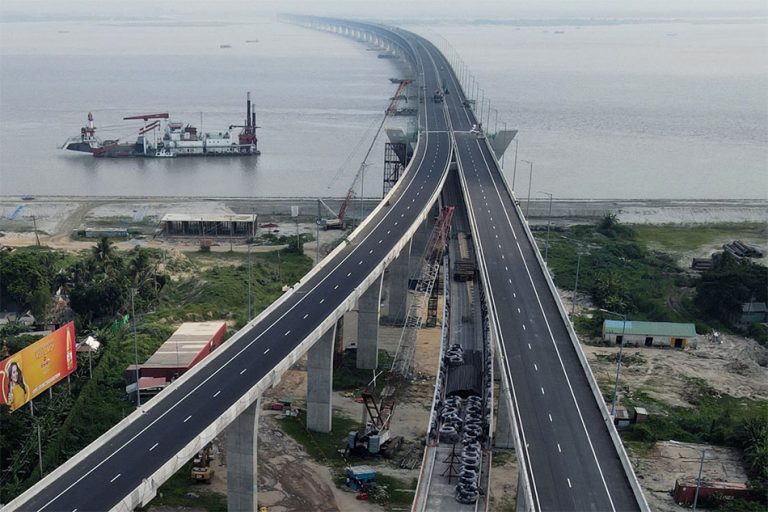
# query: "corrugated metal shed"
{"type": "Point", "coordinates": [184, 345]}
{"type": "Point", "coordinates": [649, 328]}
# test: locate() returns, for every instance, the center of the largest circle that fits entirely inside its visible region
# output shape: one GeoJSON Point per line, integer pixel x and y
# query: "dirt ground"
{"type": "Point", "coordinates": [737, 366]}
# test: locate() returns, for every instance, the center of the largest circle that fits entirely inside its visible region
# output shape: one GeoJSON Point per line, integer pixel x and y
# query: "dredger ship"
{"type": "Point", "coordinates": [160, 137]}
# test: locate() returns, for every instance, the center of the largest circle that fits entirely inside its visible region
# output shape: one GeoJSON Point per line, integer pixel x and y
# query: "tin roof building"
{"type": "Point", "coordinates": [649, 334]}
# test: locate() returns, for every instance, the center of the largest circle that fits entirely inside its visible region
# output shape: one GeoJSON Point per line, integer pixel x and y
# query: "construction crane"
{"type": "Point", "coordinates": [338, 222]}
{"type": "Point", "coordinates": [399, 95]}
{"type": "Point", "coordinates": [375, 435]}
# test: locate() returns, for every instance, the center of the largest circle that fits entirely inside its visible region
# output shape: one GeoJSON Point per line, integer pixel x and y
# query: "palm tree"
{"type": "Point", "coordinates": [104, 250]}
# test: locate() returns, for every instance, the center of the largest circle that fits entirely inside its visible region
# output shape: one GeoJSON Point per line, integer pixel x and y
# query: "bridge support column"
{"type": "Point", "coordinates": [320, 382]}
{"type": "Point", "coordinates": [242, 437]}
{"type": "Point", "coordinates": [368, 309]}
{"type": "Point", "coordinates": [397, 287]}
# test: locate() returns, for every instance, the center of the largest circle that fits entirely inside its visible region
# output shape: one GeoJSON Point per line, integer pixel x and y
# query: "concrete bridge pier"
{"type": "Point", "coordinates": [242, 439]}
{"type": "Point", "coordinates": [368, 312]}
{"type": "Point", "coordinates": [397, 286]}
{"type": "Point", "coordinates": [320, 382]}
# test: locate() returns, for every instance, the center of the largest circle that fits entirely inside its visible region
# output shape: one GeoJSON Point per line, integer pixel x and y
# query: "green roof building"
{"type": "Point", "coordinates": [649, 334]}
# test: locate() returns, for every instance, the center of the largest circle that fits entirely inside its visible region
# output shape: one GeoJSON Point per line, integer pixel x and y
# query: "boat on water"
{"type": "Point", "coordinates": [160, 137]}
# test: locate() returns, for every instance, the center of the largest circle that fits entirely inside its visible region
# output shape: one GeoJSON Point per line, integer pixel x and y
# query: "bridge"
{"type": "Point", "coordinates": [570, 455]}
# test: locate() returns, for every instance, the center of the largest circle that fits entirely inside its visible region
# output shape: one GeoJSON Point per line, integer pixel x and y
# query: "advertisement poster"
{"type": "Point", "coordinates": [32, 370]}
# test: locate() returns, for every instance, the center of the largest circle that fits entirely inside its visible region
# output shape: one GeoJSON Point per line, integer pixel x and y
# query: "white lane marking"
{"type": "Point", "coordinates": [529, 347]}
{"type": "Point", "coordinates": [550, 417]}
{"type": "Point", "coordinates": [569, 483]}
{"type": "Point", "coordinates": [360, 263]}
{"type": "Point", "coordinates": [115, 477]}
{"type": "Point", "coordinates": [514, 294]}
{"type": "Point", "coordinates": [153, 447]}
{"type": "Point", "coordinates": [523, 326]}
{"type": "Point", "coordinates": [506, 268]}
{"type": "Point", "coordinates": [395, 223]}
{"type": "Point", "coordinates": [388, 232]}
{"type": "Point", "coordinates": [518, 310]}
{"type": "Point", "coordinates": [287, 332]}
{"type": "Point", "coordinates": [559, 449]}
{"type": "Point", "coordinates": [188, 418]}
{"type": "Point", "coordinates": [216, 393]}
{"type": "Point", "coordinates": [322, 300]}
{"type": "Point", "coordinates": [305, 316]}
{"type": "Point", "coordinates": [535, 367]}
{"type": "Point", "coordinates": [349, 274]}
{"type": "Point", "coordinates": [542, 390]}
{"type": "Point", "coordinates": [243, 371]}
{"type": "Point", "coordinates": [381, 241]}
{"type": "Point", "coordinates": [336, 287]}
{"type": "Point", "coordinates": [510, 281]}
{"type": "Point", "coordinates": [267, 350]}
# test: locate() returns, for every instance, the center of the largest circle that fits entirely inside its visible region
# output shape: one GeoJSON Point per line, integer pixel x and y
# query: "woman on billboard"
{"type": "Point", "coordinates": [16, 394]}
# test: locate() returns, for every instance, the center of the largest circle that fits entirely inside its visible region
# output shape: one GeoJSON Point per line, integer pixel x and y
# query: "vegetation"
{"type": "Point", "coordinates": [616, 271]}
{"type": "Point", "coordinates": [621, 274]}
{"type": "Point", "coordinates": [716, 419]}
{"type": "Point", "coordinates": [104, 285]}
{"type": "Point", "coordinates": [721, 291]}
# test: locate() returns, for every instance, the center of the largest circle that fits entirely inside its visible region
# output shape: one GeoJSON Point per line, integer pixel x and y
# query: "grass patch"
{"type": "Point", "coordinates": [347, 377]}
{"type": "Point", "coordinates": [677, 238]}
{"type": "Point", "coordinates": [502, 456]}
{"type": "Point", "coordinates": [715, 418]}
{"type": "Point", "coordinates": [323, 448]}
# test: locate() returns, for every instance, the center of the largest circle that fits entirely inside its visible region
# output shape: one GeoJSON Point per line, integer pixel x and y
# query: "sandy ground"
{"type": "Point", "coordinates": [738, 366]}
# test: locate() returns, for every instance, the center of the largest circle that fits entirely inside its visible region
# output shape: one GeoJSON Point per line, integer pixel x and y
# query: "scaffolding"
{"type": "Point", "coordinates": [396, 157]}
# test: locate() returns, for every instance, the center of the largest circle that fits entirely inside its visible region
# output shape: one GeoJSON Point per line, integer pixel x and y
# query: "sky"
{"type": "Point", "coordinates": [18, 10]}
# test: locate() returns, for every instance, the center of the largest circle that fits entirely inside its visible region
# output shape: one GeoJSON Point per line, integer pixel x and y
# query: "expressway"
{"type": "Point", "coordinates": [106, 474]}
{"type": "Point", "coordinates": [572, 463]}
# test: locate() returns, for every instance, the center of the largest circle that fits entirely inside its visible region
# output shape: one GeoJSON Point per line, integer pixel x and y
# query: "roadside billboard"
{"type": "Point", "coordinates": [32, 370]}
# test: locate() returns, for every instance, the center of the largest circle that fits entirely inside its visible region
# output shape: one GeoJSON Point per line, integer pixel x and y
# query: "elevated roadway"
{"type": "Point", "coordinates": [123, 468]}
{"type": "Point", "coordinates": [571, 461]}
{"type": "Point", "coordinates": [571, 457]}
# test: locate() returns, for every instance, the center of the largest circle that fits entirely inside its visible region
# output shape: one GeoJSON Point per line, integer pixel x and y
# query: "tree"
{"type": "Point", "coordinates": [104, 251]}
{"type": "Point", "coordinates": [722, 290]}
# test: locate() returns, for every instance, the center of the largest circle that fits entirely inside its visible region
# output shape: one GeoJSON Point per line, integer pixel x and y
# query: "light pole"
{"type": "Point", "coordinates": [618, 363]}
{"type": "Point", "coordinates": [530, 179]}
{"type": "Point", "coordinates": [549, 221]}
{"type": "Point", "coordinates": [135, 348]}
{"type": "Point", "coordinates": [250, 307]}
{"type": "Point", "coordinates": [701, 467]}
{"type": "Point", "coordinates": [514, 169]}
{"type": "Point", "coordinates": [576, 284]}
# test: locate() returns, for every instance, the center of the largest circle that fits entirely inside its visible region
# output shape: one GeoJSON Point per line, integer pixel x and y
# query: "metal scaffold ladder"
{"type": "Point", "coordinates": [419, 296]}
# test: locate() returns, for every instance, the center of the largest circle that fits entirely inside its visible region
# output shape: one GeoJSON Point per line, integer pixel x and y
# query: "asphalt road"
{"type": "Point", "coordinates": [572, 462]}
{"type": "Point", "coordinates": [110, 472]}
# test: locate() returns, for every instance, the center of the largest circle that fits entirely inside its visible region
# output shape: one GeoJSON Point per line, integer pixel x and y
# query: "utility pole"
{"type": "Point", "coordinates": [530, 180]}
{"type": "Point", "coordinates": [549, 221]}
{"type": "Point", "coordinates": [135, 348]}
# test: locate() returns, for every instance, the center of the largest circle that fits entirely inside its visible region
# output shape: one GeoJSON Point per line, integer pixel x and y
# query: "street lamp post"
{"type": "Point", "coordinates": [514, 169]}
{"type": "Point", "coordinates": [135, 348]}
{"type": "Point", "coordinates": [576, 285]}
{"type": "Point", "coordinates": [618, 363]}
{"type": "Point", "coordinates": [701, 468]}
{"type": "Point", "coordinates": [530, 180]}
{"type": "Point", "coordinates": [549, 221]}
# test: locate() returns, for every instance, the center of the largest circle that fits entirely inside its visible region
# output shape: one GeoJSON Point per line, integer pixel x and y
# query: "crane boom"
{"type": "Point", "coordinates": [145, 117]}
